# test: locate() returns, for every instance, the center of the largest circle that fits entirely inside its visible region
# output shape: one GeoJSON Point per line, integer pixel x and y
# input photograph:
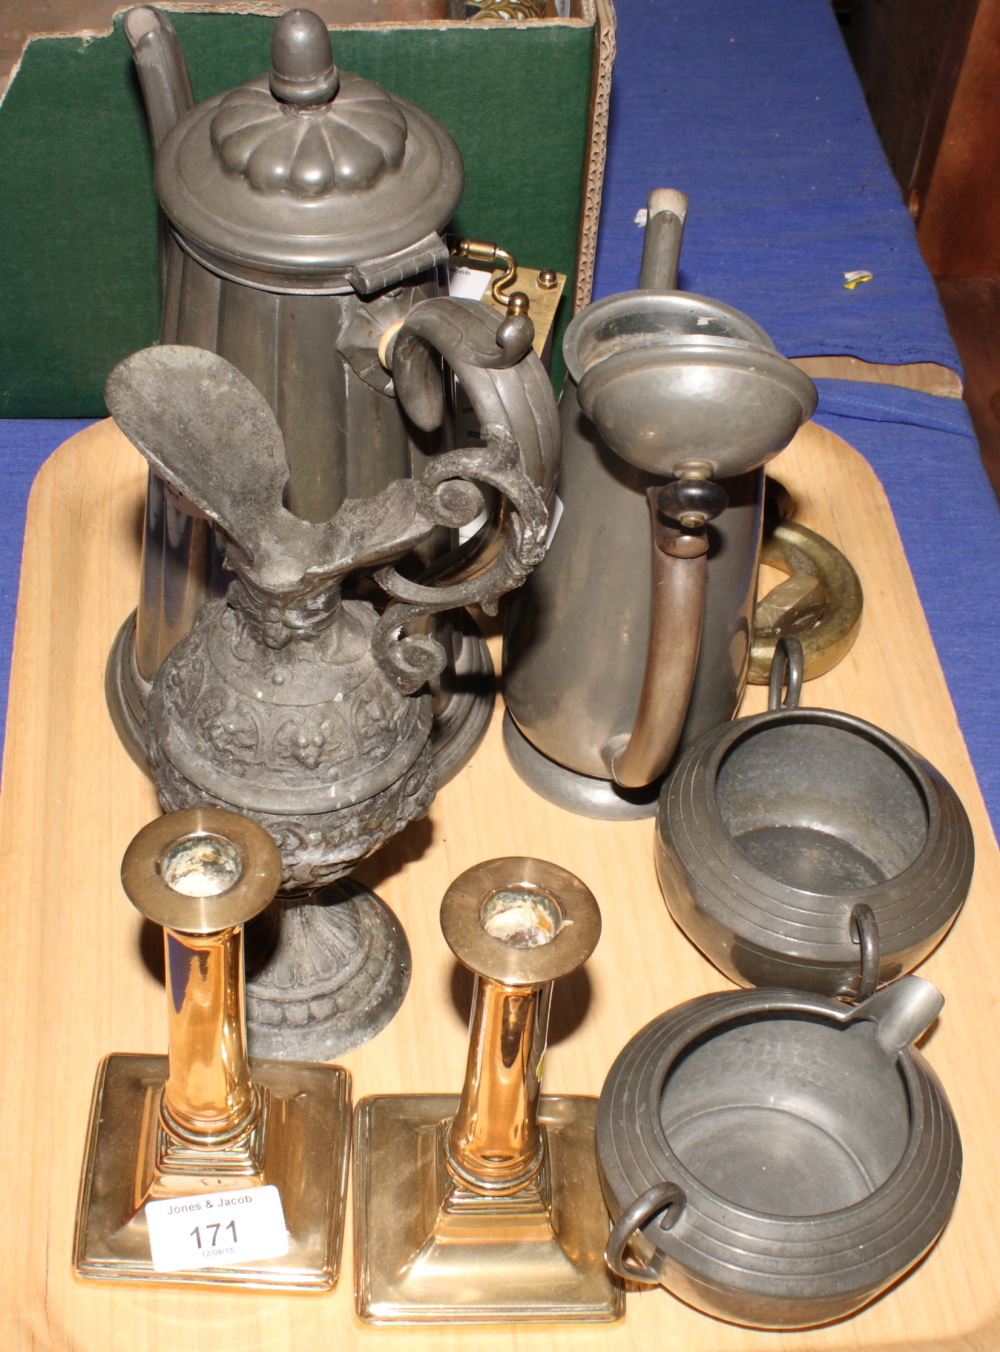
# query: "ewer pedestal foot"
{"type": "Point", "coordinates": [325, 973]}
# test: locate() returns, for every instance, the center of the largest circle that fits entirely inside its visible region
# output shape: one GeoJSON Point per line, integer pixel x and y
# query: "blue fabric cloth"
{"type": "Point", "coordinates": [24, 446]}
{"type": "Point", "coordinates": [924, 451]}
{"type": "Point", "coordinates": [756, 113]}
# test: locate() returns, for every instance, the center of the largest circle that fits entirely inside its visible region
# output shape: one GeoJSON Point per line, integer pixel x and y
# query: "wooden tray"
{"type": "Point", "coordinates": [77, 979]}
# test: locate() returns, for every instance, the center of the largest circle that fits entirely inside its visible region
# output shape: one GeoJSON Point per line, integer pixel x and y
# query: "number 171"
{"type": "Point", "coordinates": [215, 1227]}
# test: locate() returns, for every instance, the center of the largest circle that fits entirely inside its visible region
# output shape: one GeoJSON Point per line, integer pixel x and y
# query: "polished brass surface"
{"type": "Point", "coordinates": [208, 1095]}
{"type": "Point", "coordinates": [305, 1155]}
{"type": "Point", "coordinates": [518, 303]}
{"type": "Point", "coordinates": [195, 1121]}
{"type": "Point", "coordinates": [429, 1251]}
{"type": "Point", "coordinates": [488, 1207]}
{"type": "Point", "coordinates": [258, 879]}
{"type": "Point", "coordinates": [544, 291]}
{"type": "Point", "coordinates": [201, 874]}
{"type": "Point", "coordinates": [495, 1145]}
{"type": "Point", "coordinates": [538, 291]}
{"type": "Point", "coordinates": [483, 251]}
{"type": "Point", "coordinates": [827, 625]}
{"type": "Point", "coordinates": [490, 957]}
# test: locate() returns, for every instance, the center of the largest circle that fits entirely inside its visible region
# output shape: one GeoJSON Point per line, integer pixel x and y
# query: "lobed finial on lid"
{"type": "Point", "coordinates": [302, 67]}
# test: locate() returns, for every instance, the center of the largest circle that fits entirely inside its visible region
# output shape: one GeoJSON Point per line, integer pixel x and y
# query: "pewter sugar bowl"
{"type": "Point", "coordinates": [806, 847]}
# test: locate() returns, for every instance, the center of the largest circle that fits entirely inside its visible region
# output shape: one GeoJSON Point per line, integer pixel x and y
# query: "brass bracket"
{"type": "Point", "coordinates": [821, 602]}
{"type": "Point", "coordinates": [484, 251]}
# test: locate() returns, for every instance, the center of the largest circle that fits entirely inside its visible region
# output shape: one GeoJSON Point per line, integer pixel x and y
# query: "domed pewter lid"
{"type": "Point", "coordinates": [304, 179]}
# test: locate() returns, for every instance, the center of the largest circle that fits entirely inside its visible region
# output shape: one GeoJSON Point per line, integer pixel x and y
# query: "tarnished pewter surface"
{"type": "Point", "coordinates": [285, 700]}
{"type": "Point", "coordinates": [324, 973]}
{"type": "Point", "coordinates": [302, 218]}
{"type": "Point", "coordinates": [777, 1158]}
{"type": "Point", "coordinates": [775, 833]}
{"type": "Point", "coordinates": [634, 634]}
{"type": "Point", "coordinates": [309, 711]}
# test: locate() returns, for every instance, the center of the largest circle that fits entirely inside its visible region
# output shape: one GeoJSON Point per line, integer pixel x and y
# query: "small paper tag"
{"type": "Point", "coordinates": [476, 524]}
{"type": "Point", "coordinates": [469, 283]}
{"type": "Point", "coordinates": [554, 519]}
{"type": "Point", "coordinates": [216, 1229]}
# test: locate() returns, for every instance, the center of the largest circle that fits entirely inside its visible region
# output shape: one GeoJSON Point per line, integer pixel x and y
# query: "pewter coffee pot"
{"type": "Point", "coordinates": [303, 214]}
{"type": "Point", "coordinates": [634, 634]}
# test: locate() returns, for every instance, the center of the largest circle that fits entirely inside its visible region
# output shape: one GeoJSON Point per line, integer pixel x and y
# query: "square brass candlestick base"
{"type": "Point", "coordinates": [428, 1251]}
{"type": "Point", "coordinates": [304, 1153]}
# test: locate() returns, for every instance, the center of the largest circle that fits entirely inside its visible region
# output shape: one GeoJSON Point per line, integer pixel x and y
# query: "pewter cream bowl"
{"type": "Point", "coordinates": [808, 848]}
{"type": "Point", "coordinates": [776, 1158]}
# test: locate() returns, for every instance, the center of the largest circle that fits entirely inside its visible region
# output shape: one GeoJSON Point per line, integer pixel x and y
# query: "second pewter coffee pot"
{"type": "Point", "coordinates": [302, 218]}
{"type": "Point", "coordinates": [634, 634]}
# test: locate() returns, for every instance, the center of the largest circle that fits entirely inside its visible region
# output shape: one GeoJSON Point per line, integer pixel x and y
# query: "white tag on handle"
{"type": "Point", "coordinates": [216, 1229]}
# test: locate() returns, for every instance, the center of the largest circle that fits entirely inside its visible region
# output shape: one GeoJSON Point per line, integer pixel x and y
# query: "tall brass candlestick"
{"type": "Point", "coordinates": [205, 1118]}
{"type": "Point", "coordinates": [519, 1223]}
{"type": "Point", "coordinates": [202, 874]}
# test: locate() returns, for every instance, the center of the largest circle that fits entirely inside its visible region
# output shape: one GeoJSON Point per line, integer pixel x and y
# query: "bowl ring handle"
{"type": "Point", "coordinates": [659, 1197]}
{"type": "Point", "coordinates": [863, 920]}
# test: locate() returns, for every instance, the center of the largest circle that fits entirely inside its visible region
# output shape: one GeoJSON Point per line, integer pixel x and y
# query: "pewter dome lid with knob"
{"type": "Point", "coordinates": [310, 179]}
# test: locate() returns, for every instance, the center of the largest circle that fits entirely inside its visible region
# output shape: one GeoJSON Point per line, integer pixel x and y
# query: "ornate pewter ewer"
{"type": "Point", "coordinates": [295, 703]}
{"type": "Point", "coordinates": [302, 218]}
{"type": "Point", "coordinates": [777, 1158]}
{"type": "Point", "coordinates": [634, 634]}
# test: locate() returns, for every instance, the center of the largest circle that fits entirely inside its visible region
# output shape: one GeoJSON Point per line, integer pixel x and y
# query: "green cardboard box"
{"type": "Point", "coordinates": [79, 288]}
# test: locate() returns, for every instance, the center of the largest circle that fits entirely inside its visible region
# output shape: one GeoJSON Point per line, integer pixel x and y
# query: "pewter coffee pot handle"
{"type": "Point", "coordinates": [679, 555]}
{"type": "Point", "coordinates": [680, 559]}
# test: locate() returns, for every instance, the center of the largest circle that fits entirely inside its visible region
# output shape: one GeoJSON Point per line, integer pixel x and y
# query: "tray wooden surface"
{"type": "Point", "coordinates": [78, 965]}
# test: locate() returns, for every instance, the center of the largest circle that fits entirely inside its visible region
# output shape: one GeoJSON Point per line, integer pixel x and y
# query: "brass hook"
{"type": "Point", "coordinates": [481, 251]}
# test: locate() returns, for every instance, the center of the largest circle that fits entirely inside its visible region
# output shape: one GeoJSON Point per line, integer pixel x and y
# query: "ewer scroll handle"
{"type": "Point", "coordinates": [480, 352]}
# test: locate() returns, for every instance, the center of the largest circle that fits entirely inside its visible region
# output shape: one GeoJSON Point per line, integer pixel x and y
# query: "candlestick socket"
{"type": "Point", "coordinates": [519, 921]}
{"type": "Point", "coordinates": [201, 870]}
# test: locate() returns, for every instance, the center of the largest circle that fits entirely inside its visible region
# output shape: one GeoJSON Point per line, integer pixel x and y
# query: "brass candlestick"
{"type": "Point", "coordinates": [488, 1207]}
{"type": "Point", "coordinates": [205, 1118]}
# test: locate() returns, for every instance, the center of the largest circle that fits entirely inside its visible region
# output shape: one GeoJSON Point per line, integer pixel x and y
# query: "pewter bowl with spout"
{"type": "Point", "coordinates": [777, 1158]}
